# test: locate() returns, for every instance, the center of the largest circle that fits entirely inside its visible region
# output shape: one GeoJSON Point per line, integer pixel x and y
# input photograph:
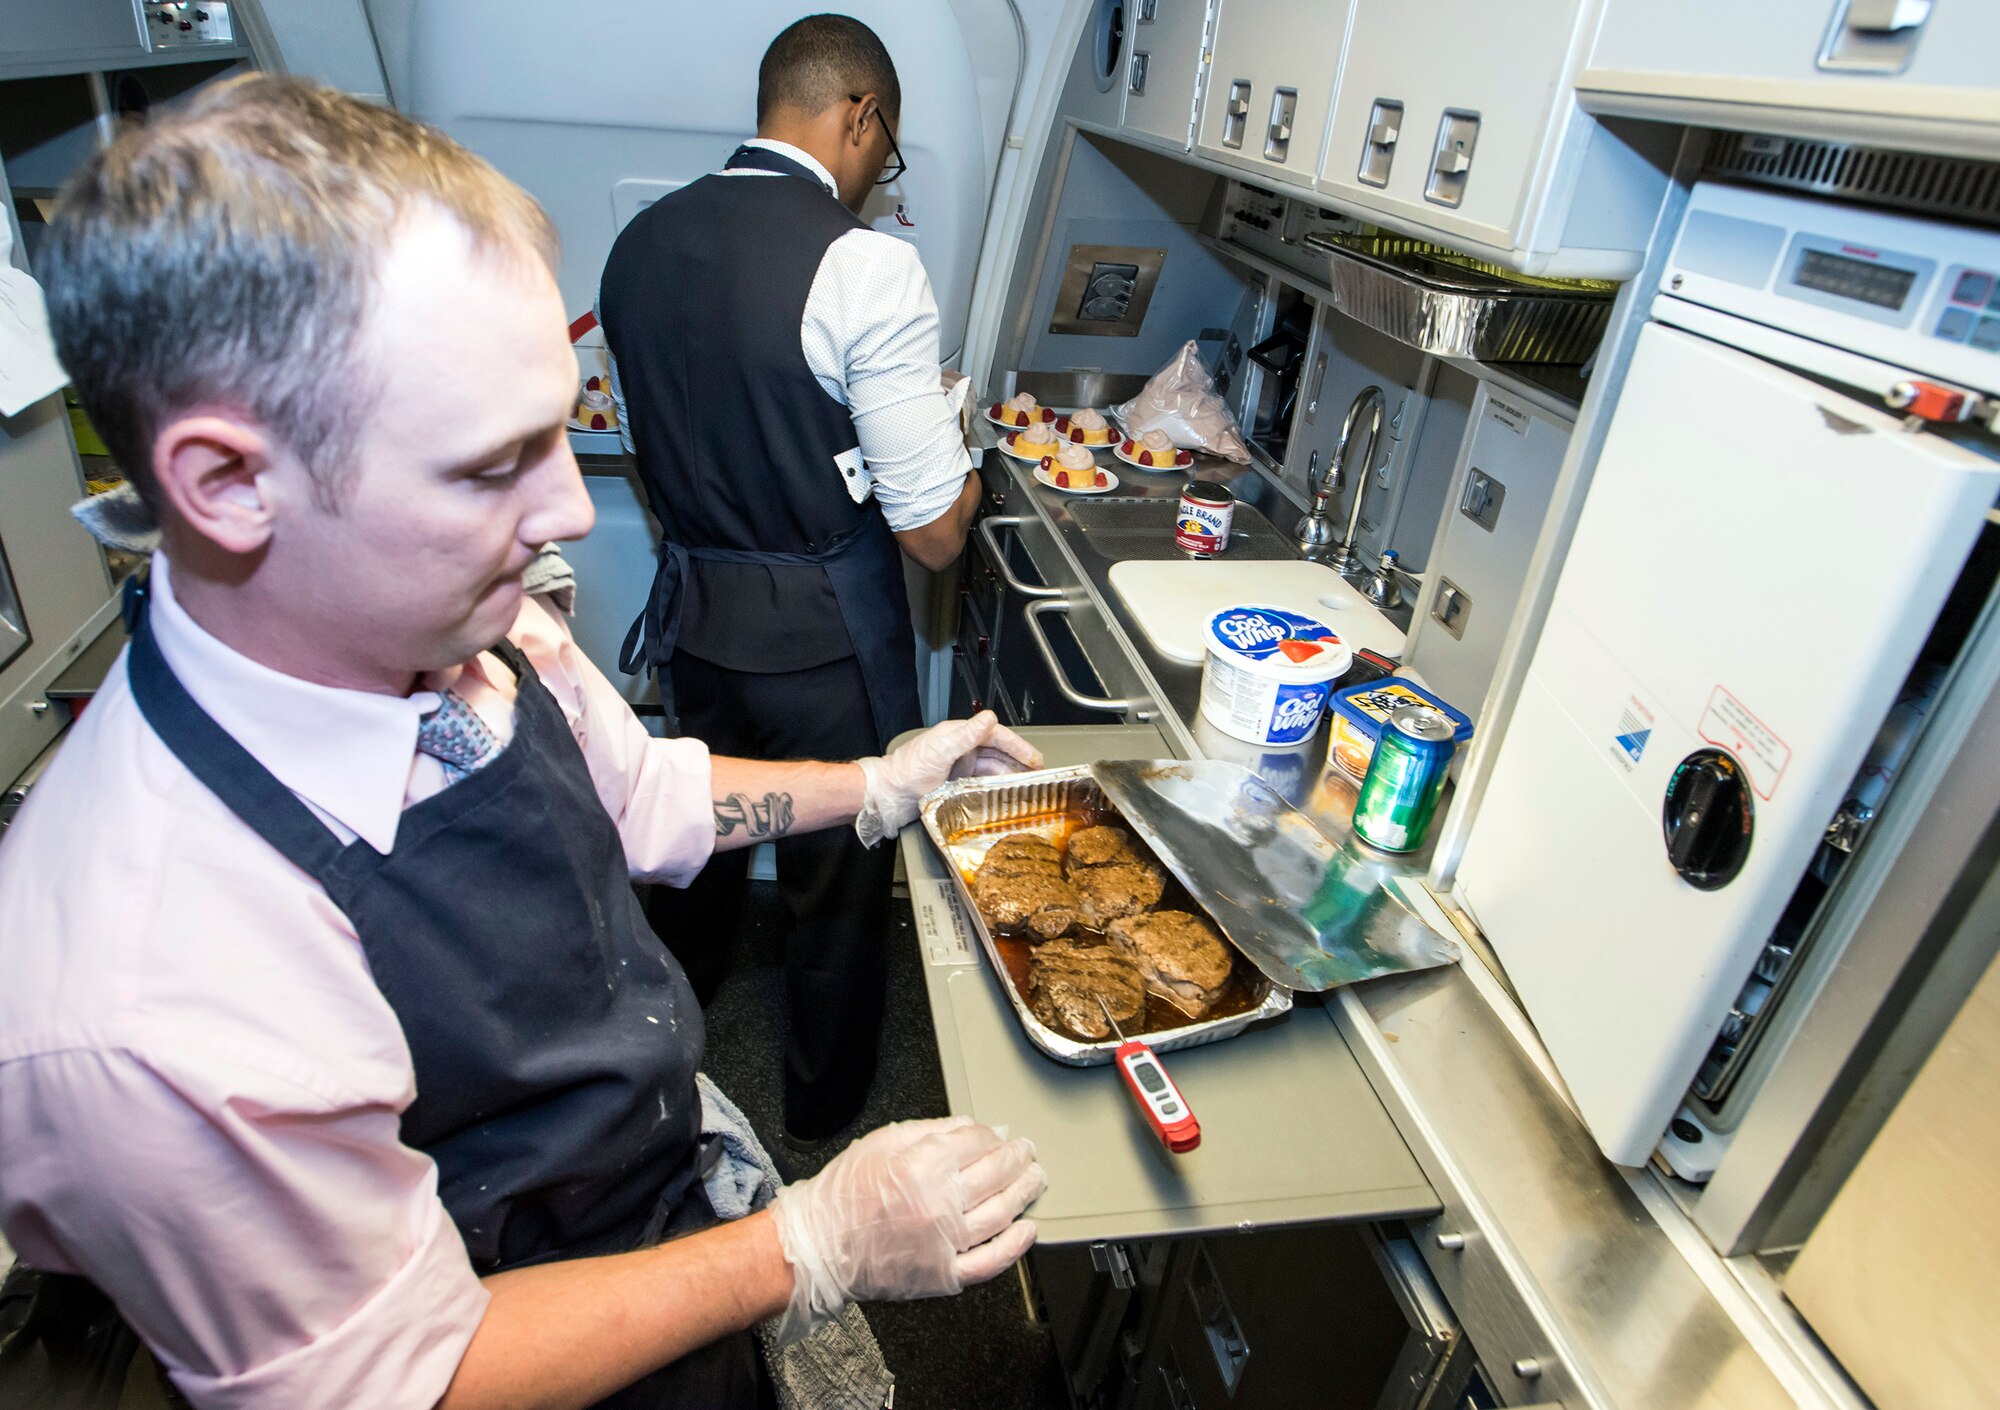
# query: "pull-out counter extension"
{"type": "Point", "coordinates": [1292, 1132]}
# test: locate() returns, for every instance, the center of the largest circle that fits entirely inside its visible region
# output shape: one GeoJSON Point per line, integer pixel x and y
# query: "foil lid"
{"type": "Point", "coordinates": [1308, 913]}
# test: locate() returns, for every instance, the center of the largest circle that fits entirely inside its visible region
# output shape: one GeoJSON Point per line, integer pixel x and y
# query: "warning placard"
{"type": "Point", "coordinates": [941, 925]}
{"type": "Point", "coordinates": [1728, 724]}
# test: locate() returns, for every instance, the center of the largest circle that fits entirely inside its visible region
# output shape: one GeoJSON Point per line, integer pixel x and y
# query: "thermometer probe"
{"type": "Point", "coordinates": [1166, 1109]}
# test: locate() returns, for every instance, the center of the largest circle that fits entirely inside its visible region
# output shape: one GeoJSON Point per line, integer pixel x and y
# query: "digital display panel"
{"type": "Point", "coordinates": [1883, 285]}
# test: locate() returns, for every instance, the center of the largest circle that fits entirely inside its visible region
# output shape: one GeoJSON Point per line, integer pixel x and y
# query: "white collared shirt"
{"type": "Point", "coordinates": [870, 336]}
{"type": "Point", "coordinates": [200, 1085]}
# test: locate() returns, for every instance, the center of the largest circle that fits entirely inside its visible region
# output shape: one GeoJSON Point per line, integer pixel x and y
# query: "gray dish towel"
{"type": "Point", "coordinates": [838, 1367]}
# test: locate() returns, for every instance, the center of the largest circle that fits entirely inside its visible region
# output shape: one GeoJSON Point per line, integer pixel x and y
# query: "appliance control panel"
{"type": "Point", "coordinates": [1276, 227]}
{"type": "Point", "coordinates": [185, 24]}
{"type": "Point", "coordinates": [1922, 294]}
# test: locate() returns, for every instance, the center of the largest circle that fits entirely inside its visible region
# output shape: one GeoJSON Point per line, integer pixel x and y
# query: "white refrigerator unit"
{"type": "Point", "coordinates": [1762, 554]}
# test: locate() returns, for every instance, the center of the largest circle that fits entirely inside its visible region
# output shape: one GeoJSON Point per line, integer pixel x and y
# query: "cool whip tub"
{"type": "Point", "coordinates": [1267, 673]}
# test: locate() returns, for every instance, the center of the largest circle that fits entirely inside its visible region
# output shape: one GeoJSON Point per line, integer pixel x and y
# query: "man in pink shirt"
{"type": "Point", "coordinates": [333, 1044]}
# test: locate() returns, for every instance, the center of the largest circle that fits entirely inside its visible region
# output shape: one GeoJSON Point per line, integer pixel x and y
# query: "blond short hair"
{"type": "Point", "coordinates": [224, 253]}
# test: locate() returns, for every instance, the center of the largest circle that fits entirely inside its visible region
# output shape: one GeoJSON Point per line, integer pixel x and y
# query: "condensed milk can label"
{"type": "Point", "coordinates": [1201, 525]}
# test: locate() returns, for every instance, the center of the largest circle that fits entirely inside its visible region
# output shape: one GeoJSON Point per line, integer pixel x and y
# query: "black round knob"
{"type": "Point", "coordinates": [1707, 819]}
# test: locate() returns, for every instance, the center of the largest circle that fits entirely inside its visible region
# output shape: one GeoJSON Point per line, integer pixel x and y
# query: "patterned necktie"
{"type": "Point", "coordinates": [457, 738]}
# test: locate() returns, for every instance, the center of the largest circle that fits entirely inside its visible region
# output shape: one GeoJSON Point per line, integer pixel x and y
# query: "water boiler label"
{"type": "Point", "coordinates": [1728, 724]}
{"type": "Point", "coordinates": [1514, 418]}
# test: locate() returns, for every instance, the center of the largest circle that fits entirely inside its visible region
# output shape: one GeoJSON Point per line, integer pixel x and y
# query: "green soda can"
{"type": "Point", "coordinates": [1400, 794]}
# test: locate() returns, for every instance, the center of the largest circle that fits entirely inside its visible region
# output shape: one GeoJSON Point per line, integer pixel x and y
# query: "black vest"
{"type": "Point", "coordinates": [702, 302]}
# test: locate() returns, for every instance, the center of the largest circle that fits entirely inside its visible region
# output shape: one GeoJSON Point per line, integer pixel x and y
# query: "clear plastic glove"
{"type": "Point", "coordinates": [898, 781]}
{"type": "Point", "coordinates": [918, 1209]}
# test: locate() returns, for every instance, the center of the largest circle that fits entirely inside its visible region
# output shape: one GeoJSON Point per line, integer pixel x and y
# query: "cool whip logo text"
{"type": "Point", "coordinates": [1256, 632]}
{"type": "Point", "coordinates": [1296, 713]}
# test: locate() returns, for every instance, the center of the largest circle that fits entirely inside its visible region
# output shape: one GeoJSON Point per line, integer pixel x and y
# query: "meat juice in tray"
{"type": "Point", "coordinates": [1074, 908]}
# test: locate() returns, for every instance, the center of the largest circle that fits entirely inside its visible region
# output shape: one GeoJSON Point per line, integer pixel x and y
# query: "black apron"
{"type": "Point", "coordinates": [702, 302]}
{"type": "Point", "coordinates": [554, 1038]}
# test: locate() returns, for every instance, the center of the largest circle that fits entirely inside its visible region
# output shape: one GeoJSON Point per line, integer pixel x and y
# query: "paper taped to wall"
{"type": "Point", "coordinates": [29, 370]}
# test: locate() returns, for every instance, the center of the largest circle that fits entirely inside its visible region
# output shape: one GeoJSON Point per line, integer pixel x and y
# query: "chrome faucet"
{"type": "Point", "coordinates": [1314, 534]}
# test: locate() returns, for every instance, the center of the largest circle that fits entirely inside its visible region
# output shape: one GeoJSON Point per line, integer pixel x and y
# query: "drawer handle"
{"type": "Point", "coordinates": [1048, 652]}
{"type": "Point", "coordinates": [996, 554]}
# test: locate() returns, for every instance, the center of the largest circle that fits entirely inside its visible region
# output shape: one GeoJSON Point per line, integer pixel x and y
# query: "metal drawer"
{"type": "Point", "coordinates": [1518, 1360]}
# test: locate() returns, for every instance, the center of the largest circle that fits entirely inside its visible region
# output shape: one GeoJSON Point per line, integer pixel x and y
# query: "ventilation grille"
{"type": "Point", "coordinates": [1957, 187]}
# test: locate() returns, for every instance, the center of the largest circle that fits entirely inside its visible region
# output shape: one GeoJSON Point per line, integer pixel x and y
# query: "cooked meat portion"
{"type": "Point", "coordinates": [1182, 958]}
{"type": "Point", "coordinates": [1042, 902]}
{"type": "Point", "coordinates": [1020, 886]}
{"type": "Point", "coordinates": [1023, 848]}
{"type": "Point", "coordinates": [1115, 890]}
{"type": "Point", "coordinates": [1094, 846]}
{"type": "Point", "coordinates": [1066, 980]}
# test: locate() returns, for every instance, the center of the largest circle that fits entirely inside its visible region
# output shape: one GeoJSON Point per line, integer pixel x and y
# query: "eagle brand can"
{"type": "Point", "coordinates": [1400, 794]}
{"type": "Point", "coordinates": [1201, 526]}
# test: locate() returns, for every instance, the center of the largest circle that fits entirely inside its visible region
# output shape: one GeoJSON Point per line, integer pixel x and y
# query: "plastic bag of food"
{"type": "Point", "coordinates": [1181, 401]}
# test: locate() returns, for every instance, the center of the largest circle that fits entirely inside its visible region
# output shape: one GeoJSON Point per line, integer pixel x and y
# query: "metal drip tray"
{"type": "Point", "coordinates": [1125, 529]}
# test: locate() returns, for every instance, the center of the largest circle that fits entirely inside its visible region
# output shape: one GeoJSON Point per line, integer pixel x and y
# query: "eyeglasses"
{"type": "Point", "coordinates": [897, 165]}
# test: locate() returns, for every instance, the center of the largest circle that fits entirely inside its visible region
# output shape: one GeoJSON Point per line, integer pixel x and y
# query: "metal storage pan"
{"type": "Point", "coordinates": [1442, 302]}
{"type": "Point", "coordinates": [984, 803]}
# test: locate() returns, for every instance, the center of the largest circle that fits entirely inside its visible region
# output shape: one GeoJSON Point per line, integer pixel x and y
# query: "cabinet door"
{"type": "Point", "coordinates": [1499, 498]}
{"type": "Point", "coordinates": [1806, 54]}
{"type": "Point", "coordinates": [1270, 85]}
{"type": "Point", "coordinates": [1167, 39]}
{"type": "Point", "coordinates": [1451, 122]}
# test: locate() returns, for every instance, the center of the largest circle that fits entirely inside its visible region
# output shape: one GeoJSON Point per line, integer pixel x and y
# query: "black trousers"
{"type": "Point", "coordinates": [836, 890]}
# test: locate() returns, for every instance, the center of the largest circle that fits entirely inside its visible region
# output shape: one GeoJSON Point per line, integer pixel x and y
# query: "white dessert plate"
{"type": "Point", "coordinates": [1045, 478]}
{"type": "Point", "coordinates": [1183, 460]}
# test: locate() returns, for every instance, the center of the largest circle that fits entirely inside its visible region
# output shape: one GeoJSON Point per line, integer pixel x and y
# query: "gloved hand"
{"type": "Point", "coordinates": [917, 1209]}
{"type": "Point", "coordinates": [955, 749]}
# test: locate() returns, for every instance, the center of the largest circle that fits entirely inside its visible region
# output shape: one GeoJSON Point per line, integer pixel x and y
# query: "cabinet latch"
{"type": "Point", "coordinates": [1451, 162]}
{"type": "Point", "coordinates": [1378, 152]}
{"type": "Point", "coordinates": [1236, 113]}
{"type": "Point", "coordinates": [1284, 108]}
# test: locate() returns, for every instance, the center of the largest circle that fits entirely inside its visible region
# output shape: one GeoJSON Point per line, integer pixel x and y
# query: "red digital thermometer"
{"type": "Point", "coordinates": [1166, 1109]}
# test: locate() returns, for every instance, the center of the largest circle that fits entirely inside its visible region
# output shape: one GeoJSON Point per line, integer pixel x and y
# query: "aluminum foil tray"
{"type": "Point", "coordinates": [1309, 913]}
{"type": "Point", "coordinates": [978, 806]}
{"type": "Point", "coordinates": [1448, 304]}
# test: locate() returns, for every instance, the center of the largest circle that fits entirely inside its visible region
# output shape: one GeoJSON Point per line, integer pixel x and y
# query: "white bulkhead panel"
{"type": "Point", "coordinates": [574, 106]}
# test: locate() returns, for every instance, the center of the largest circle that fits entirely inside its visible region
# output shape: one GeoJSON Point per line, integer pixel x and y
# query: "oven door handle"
{"type": "Point", "coordinates": [1032, 616]}
{"type": "Point", "coordinates": [996, 554]}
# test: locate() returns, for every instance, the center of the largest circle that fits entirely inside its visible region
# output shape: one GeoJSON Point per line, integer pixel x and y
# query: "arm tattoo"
{"type": "Point", "coordinates": [772, 817]}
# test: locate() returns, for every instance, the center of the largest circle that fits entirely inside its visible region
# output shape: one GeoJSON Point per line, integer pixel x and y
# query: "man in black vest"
{"type": "Point", "coordinates": [778, 364]}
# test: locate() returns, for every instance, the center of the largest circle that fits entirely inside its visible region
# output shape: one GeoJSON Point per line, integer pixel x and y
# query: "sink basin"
{"type": "Point", "coordinates": [1121, 530]}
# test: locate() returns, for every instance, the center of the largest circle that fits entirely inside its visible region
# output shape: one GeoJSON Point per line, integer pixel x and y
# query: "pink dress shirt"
{"type": "Point", "coordinates": [200, 1084]}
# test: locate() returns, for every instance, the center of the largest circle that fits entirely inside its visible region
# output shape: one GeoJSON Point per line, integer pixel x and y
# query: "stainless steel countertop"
{"type": "Point", "coordinates": [1584, 1274]}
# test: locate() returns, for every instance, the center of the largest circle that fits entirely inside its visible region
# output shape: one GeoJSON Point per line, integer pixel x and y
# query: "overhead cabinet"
{"type": "Point", "coordinates": [1166, 43]}
{"type": "Point", "coordinates": [1463, 128]}
{"type": "Point", "coordinates": [1271, 77]}
{"type": "Point", "coordinates": [1916, 74]}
